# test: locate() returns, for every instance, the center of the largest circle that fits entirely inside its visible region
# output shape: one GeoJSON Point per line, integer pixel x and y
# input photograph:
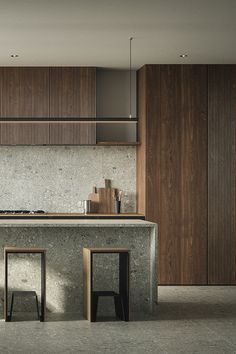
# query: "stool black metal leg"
{"type": "Point", "coordinates": [124, 282]}
{"type": "Point", "coordinates": [11, 308]}
{"type": "Point", "coordinates": [6, 287]}
{"type": "Point", "coordinates": [119, 308]}
{"type": "Point", "coordinates": [43, 287]}
{"type": "Point", "coordinates": [37, 306]}
{"type": "Point", "coordinates": [94, 308]}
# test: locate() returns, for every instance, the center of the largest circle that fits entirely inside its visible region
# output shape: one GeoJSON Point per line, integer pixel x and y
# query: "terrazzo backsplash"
{"type": "Point", "coordinates": [59, 178]}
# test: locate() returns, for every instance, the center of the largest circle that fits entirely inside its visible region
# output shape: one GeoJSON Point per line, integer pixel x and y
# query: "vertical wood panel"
{"type": "Point", "coordinates": [176, 168]}
{"type": "Point", "coordinates": [141, 149]}
{"type": "Point", "coordinates": [72, 92]}
{"type": "Point", "coordinates": [24, 92]}
{"type": "Point", "coordinates": [194, 174]}
{"type": "Point", "coordinates": [182, 175]}
{"type": "Point", "coordinates": [169, 177]}
{"type": "Point", "coordinates": [153, 141]}
{"type": "Point", "coordinates": [221, 185]}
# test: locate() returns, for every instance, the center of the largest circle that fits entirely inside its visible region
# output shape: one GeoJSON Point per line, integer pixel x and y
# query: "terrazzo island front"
{"type": "Point", "coordinates": [64, 241]}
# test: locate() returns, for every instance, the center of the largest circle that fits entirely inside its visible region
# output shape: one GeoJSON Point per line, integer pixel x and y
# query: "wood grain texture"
{"type": "Point", "coordinates": [176, 169]}
{"type": "Point", "coordinates": [24, 250]}
{"type": "Point", "coordinates": [221, 184]}
{"type": "Point", "coordinates": [194, 174]}
{"type": "Point", "coordinates": [72, 92]}
{"type": "Point", "coordinates": [24, 133]}
{"type": "Point", "coordinates": [141, 149]}
{"type": "Point", "coordinates": [24, 92]}
{"type": "Point", "coordinates": [153, 141]}
{"type": "Point", "coordinates": [103, 199]}
{"type": "Point", "coordinates": [87, 283]}
{"type": "Point", "coordinates": [72, 133]}
{"type": "Point", "coordinates": [108, 250]}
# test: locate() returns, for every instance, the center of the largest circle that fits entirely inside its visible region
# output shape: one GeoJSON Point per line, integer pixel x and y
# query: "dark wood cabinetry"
{"type": "Point", "coordinates": [27, 133]}
{"type": "Point", "coordinates": [24, 92]}
{"type": "Point", "coordinates": [72, 92]}
{"type": "Point", "coordinates": [186, 169]}
{"type": "Point", "coordinates": [72, 133]}
{"type": "Point", "coordinates": [221, 171]}
{"type": "Point", "coordinates": [47, 93]}
{"type": "Point", "coordinates": [172, 167]}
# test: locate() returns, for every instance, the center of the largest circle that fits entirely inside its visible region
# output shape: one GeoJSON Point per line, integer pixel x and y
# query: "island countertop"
{"type": "Point", "coordinates": [64, 240]}
{"type": "Point", "coordinates": [69, 216]}
{"type": "Point", "coordinates": [75, 223]}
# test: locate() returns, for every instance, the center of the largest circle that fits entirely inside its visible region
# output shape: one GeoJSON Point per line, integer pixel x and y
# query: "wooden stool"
{"type": "Point", "coordinates": [42, 251]}
{"type": "Point", "coordinates": [121, 299]}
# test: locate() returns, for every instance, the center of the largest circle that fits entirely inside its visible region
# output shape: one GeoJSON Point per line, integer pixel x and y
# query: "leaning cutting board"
{"type": "Point", "coordinates": [94, 197]}
{"type": "Point", "coordinates": [103, 199]}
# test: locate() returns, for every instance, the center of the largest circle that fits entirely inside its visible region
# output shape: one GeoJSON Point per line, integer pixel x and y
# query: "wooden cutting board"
{"type": "Point", "coordinates": [103, 199]}
{"type": "Point", "coordinates": [94, 197]}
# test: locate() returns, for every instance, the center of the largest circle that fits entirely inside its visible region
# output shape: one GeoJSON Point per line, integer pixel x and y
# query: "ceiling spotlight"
{"type": "Point", "coordinates": [183, 55]}
{"type": "Point", "coordinates": [14, 55]}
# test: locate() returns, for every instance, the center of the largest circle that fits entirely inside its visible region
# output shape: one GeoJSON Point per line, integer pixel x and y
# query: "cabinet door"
{"type": "Point", "coordinates": [24, 92]}
{"type": "Point", "coordinates": [173, 153]}
{"type": "Point", "coordinates": [16, 133]}
{"type": "Point", "coordinates": [72, 92]}
{"type": "Point", "coordinates": [221, 174]}
{"type": "Point", "coordinates": [72, 133]}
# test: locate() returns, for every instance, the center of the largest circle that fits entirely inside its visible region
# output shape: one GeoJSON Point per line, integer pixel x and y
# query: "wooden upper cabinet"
{"type": "Point", "coordinates": [72, 92]}
{"type": "Point", "coordinates": [24, 92]}
{"type": "Point", "coordinates": [24, 133]}
{"type": "Point", "coordinates": [75, 133]}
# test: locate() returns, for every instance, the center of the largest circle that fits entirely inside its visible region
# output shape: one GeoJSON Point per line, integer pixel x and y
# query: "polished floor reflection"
{"type": "Point", "coordinates": [189, 320]}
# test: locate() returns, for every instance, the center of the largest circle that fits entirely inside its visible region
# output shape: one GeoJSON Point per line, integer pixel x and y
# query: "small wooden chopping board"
{"type": "Point", "coordinates": [103, 199]}
{"type": "Point", "coordinates": [94, 197]}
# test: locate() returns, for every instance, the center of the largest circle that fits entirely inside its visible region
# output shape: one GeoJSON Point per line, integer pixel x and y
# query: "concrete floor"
{"type": "Point", "coordinates": [189, 320]}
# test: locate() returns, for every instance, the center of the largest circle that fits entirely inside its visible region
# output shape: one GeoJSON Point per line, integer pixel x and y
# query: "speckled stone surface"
{"type": "Point", "coordinates": [76, 223]}
{"type": "Point", "coordinates": [64, 261]}
{"type": "Point", "coordinates": [189, 320]}
{"type": "Point", "coordinates": [58, 178]}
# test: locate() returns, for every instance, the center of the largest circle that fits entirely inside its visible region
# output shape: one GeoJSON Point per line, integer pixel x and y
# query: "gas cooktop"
{"type": "Point", "coordinates": [22, 211]}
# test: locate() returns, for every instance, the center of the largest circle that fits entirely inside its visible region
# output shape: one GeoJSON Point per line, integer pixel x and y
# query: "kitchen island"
{"type": "Point", "coordinates": [64, 241]}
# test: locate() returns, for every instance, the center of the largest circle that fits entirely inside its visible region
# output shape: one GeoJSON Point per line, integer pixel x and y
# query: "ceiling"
{"type": "Point", "coordinates": [96, 32]}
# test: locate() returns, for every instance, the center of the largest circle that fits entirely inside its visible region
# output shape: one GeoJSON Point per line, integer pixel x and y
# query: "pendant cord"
{"type": "Point", "coordinates": [130, 77]}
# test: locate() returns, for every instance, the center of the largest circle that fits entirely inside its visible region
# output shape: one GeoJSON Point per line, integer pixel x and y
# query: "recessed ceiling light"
{"type": "Point", "coordinates": [183, 55]}
{"type": "Point", "coordinates": [14, 55]}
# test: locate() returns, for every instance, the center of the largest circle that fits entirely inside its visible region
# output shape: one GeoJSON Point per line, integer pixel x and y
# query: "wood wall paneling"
{"type": "Point", "coordinates": [194, 174]}
{"type": "Point", "coordinates": [72, 92]}
{"type": "Point", "coordinates": [24, 92]}
{"type": "Point", "coordinates": [72, 133]}
{"type": "Point", "coordinates": [176, 169]}
{"type": "Point", "coordinates": [141, 137]}
{"type": "Point", "coordinates": [168, 177]}
{"type": "Point", "coordinates": [153, 141]}
{"type": "Point", "coordinates": [24, 133]}
{"type": "Point", "coordinates": [221, 183]}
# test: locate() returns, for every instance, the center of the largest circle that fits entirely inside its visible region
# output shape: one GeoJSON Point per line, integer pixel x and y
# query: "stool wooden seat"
{"type": "Point", "coordinates": [26, 250]}
{"type": "Point", "coordinates": [121, 299]}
